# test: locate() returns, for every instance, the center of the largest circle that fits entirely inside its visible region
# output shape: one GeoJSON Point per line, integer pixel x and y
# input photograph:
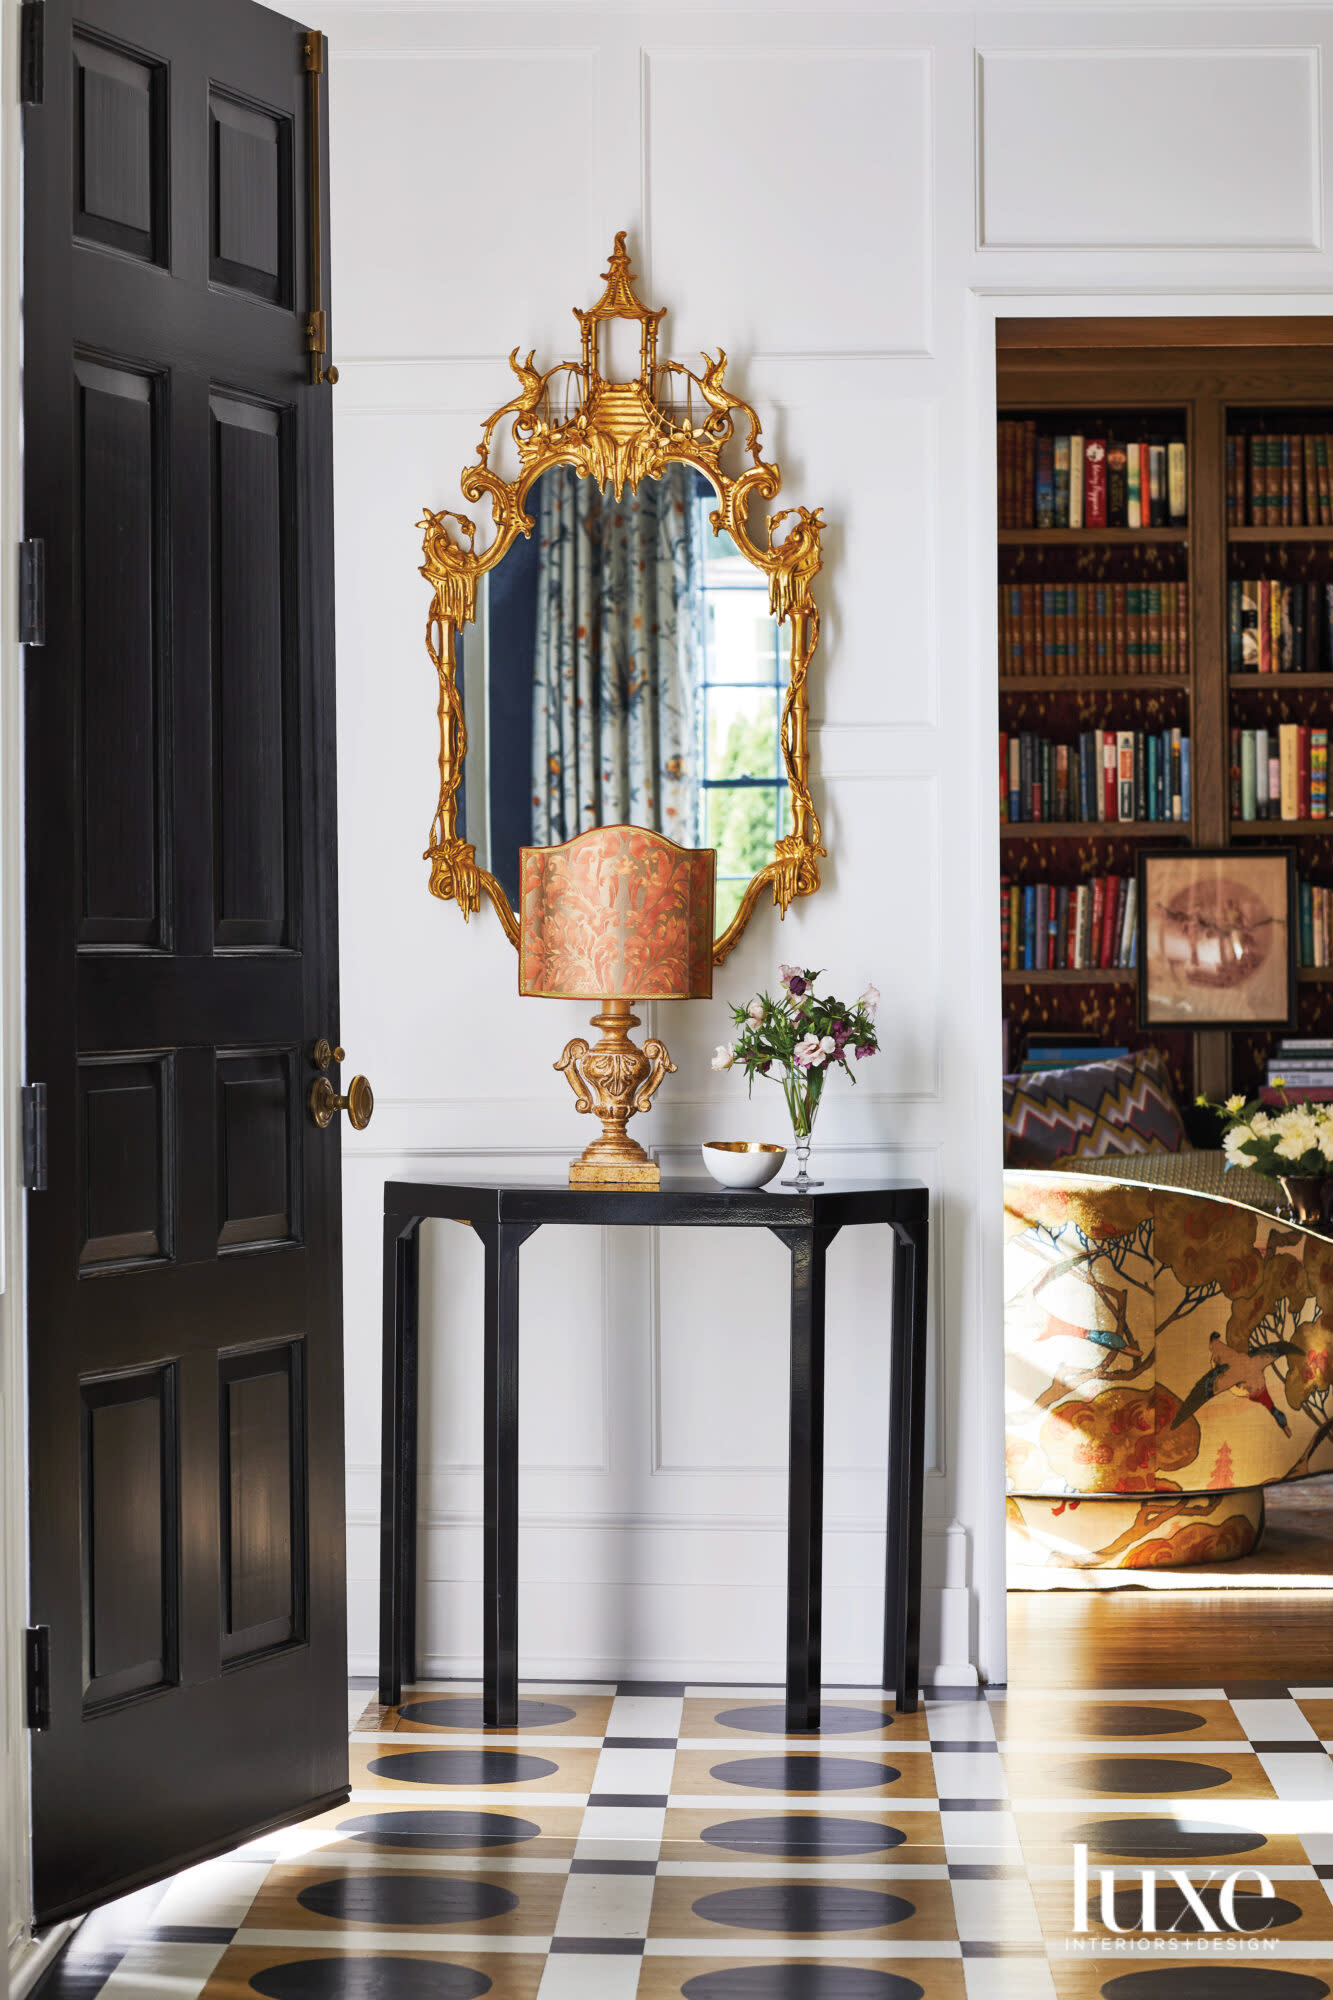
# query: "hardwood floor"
{"type": "Point", "coordinates": [1125, 1638]}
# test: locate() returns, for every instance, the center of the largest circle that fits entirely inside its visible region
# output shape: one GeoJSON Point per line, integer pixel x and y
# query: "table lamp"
{"type": "Point", "coordinates": [615, 915]}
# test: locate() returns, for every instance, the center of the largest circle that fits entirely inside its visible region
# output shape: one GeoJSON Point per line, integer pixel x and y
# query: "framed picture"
{"type": "Point", "coordinates": [1217, 938]}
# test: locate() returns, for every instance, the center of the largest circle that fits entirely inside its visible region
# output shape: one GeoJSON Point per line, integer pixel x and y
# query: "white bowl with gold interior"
{"type": "Point", "coordinates": [743, 1163]}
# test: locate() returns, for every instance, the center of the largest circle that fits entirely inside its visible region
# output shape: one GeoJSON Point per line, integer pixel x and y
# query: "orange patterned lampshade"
{"type": "Point", "coordinates": [617, 913]}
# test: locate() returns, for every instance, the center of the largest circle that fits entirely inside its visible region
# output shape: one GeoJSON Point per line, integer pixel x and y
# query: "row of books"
{"type": "Point", "coordinates": [1279, 773]}
{"type": "Point", "coordinates": [1280, 481]}
{"type": "Point", "coordinates": [1108, 774]}
{"type": "Point", "coordinates": [1314, 931]}
{"type": "Point", "coordinates": [1094, 628]}
{"type": "Point", "coordinates": [1300, 1066]}
{"type": "Point", "coordinates": [1279, 628]}
{"type": "Point", "coordinates": [1081, 481]}
{"type": "Point", "coordinates": [1045, 926]}
{"type": "Point", "coordinates": [1058, 1050]}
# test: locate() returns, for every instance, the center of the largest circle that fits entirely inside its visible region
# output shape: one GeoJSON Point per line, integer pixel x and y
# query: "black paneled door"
{"type": "Point", "coordinates": [184, 1292]}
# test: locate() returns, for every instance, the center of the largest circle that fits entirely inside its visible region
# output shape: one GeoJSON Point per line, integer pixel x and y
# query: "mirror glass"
{"type": "Point", "coordinates": [625, 667]}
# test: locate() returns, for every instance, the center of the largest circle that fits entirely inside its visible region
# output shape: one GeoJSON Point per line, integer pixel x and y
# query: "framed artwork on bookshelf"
{"type": "Point", "coordinates": [1217, 938]}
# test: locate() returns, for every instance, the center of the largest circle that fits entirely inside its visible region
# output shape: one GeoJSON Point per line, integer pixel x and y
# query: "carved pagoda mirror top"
{"type": "Point", "coordinates": [628, 646]}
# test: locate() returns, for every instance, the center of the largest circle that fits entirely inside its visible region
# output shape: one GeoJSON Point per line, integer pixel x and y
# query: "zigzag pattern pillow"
{"type": "Point", "coordinates": [1091, 1110]}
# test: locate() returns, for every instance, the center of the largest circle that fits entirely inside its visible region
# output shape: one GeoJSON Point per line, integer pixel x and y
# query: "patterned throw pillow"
{"type": "Point", "coordinates": [1091, 1110]}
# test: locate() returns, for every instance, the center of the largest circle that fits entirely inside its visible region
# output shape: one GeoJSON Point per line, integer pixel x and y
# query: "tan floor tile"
{"type": "Point", "coordinates": [1319, 1714]}
{"type": "Point", "coordinates": [1233, 1979]}
{"type": "Point", "coordinates": [446, 1766]}
{"type": "Point", "coordinates": [1200, 1834]}
{"type": "Point", "coordinates": [875, 1720]}
{"type": "Point", "coordinates": [827, 1772]}
{"type": "Point", "coordinates": [513, 1976]}
{"type": "Point", "coordinates": [923, 1841]}
{"type": "Point", "coordinates": [504, 1828]}
{"type": "Point", "coordinates": [1077, 1718]}
{"type": "Point", "coordinates": [540, 1714]}
{"type": "Point", "coordinates": [733, 1906]}
{"type": "Point", "coordinates": [380, 1896]}
{"type": "Point", "coordinates": [1094, 1774]}
{"type": "Point", "coordinates": [667, 1978]}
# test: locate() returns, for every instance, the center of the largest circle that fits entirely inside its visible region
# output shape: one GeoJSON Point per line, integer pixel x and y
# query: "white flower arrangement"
{"type": "Point", "coordinates": [1295, 1143]}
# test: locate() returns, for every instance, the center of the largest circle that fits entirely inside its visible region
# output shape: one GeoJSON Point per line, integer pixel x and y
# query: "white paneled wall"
{"type": "Point", "coordinates": [845, 201]}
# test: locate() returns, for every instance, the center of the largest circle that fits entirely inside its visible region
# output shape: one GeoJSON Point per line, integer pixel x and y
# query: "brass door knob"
{"type": "Point", "coordinates": [325, 1102]}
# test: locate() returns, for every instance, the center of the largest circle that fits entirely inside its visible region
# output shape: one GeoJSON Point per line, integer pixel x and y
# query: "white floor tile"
{"type": "Point", "coordinates": [215, 1893]}
{"type": "Point", "coordinates": [579, 1976]}
{"type": "Point", "coordinates": [645, 1715]}
{"type": "Point", "coordinates": [981, 1837]}
{"type": "Point", "coordinates": [1271, 1721]}
{"type": "Point", "coordinates": [605, 1906]}
{"type": "Point", "coordinates": [621, 1833]}
{"type": "Point", "coordinates": [163, 1972]}
{"type": "Point", "coordinates": [1296, 1775]}
{"type": "Point", "coordinates": [996, 1912]}
{"type": "Point", "coordinates": [964, 1774]}
{"type": "Point", "coordinates": [1008, 1979]}
{"type": "Point", "coordinates": [961, 1721]}
{"type": "Point", "coordinates": [647, 1772]}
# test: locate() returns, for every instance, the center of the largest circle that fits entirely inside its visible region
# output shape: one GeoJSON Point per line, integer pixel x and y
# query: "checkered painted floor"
{"type": "Point", "coordinates": [647, 1841]}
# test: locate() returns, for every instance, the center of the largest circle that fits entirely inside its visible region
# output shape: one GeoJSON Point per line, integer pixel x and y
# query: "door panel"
{"type": "Point", "coordinates": [184, 1299]}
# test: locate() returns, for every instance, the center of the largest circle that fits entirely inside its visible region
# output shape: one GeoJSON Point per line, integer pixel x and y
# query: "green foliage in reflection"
{"type": "Point", "coordinates": [741, 821]}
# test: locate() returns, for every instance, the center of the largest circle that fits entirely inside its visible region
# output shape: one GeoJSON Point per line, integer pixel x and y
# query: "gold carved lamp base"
{"type": "Point", "coordinates": [614, 1080]}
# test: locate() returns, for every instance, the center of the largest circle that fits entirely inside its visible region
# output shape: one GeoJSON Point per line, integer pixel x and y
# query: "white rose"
{"type": "Point", "coordinates": [870, 1000]}
{"type": "Point", "coordinates": [724, 1055]}
{"type": "Point", "coordinates": [829, 1046]}
{"type": "Point", "coordinates": [755, 1010]}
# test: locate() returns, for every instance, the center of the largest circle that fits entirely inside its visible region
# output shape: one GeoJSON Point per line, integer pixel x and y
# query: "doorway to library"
{"type": "Point", "coordinates": [1165, 622]}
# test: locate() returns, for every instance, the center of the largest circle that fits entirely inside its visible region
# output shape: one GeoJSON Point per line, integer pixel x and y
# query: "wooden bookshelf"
{"type": "Point", "coordinates": [1205, 380]}
{"type": "Point", "coordinates": [1017, 538]}
{"type": "Point", "coordinates": [1100, 975]}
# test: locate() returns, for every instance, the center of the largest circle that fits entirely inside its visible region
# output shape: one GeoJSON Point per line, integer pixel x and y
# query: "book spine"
{"type": "Point", "coordinates": [1027, 498]}
{"type": "Point", "coordinates": [1060, 953]}
{"type": "Point", "coordinates": [1248, 809]}
{"type": "Point", "coordinates": [1016, 927]}
{"type": "Point", "coordinates": [1062, 781]}
{"type": "Point", "coordinates": [1265, 626]}
{"type": "Point", "coordinates": [1030, 928]}
{"type": "Point", "coordinates": [1235, 776]}
{"type": "Point", "coordinates": [1116, 488]}
{"type": "Point", "coordinates": [1319, 775]}
{"type": "Point", "coordinates": [1094, 483]}
{"type": "Point", "coordinates": [1154, 777]}
{"type": "Point", "coordinates": [1077, 451]}
{"type": "Point", "coordinates": [1106, 944]}
{"type": "Point", "coordinates": [1140, 774]}
{"type": "Point", "coordinates": [1004, 777]}
{"type": "Point", "coordinates": [1186, 801]}
{"type": "Point", "coordinates": [1176, 483]}
{"type": "Point", "coordinates": [1045, 482]}
{"type": "Point", "coordinates": [1296, 603]}
{"type": "Point", "coordinates": [1303, 771]}
{"type": "Point", "coordinates": [1060, 476]}
{"type": "Point", "coordinates": [1177, 776]}
{"type": "Point", "coordinates": [1249, 626]}
{"type": "Point", "coordinates": [1015, 779]}
{"type": "Point", "coordinates": [1133, 488]}
{"type": "Point", "coordinates": [1108, 811]}
{"type": "Point", "coordinates": [1261, 774]}
{"type": "Point", "coordinates": [1125, 774]}
{"type": "Point", "coordinates": [1234, 655]}
{"type": "Point", "coordinates": [1258, 518]}
{"type": "Point", "coordinates": [1306, 903]}
{"type": "Point", "coordinates": [1311, 480]}
{"type": "Point", "coordinates": [1126, 954]}
{"type": "Point", "coordinates": [1274, 778]}
{"type": "Point", "coordinates": [1098, 922]}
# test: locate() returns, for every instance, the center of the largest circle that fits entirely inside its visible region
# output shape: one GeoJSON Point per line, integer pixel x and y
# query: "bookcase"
{"type": "Point", "coordinates": [1140, 630]}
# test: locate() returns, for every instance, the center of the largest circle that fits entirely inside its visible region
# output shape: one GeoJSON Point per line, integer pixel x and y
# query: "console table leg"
{"type": "Point", "coordinates": [907, 1460]}
{"type": "Point", "coordinates": [398, 1468]}
{"type": "Point", "coordinates": [500, 1482]}
{"type": "Point", "coordinates": [805, 1476]}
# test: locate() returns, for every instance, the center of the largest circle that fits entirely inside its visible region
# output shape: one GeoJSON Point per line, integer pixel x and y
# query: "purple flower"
{"type": "Point", "coordinates": [864, 1049]}
{"type": "Point", "coordinates": [796, 986]}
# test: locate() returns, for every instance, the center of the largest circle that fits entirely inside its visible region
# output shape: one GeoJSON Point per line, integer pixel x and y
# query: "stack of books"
{"type": "Point", "coordinates": [1074, 480]}
{"type": "Point", "coordinates": [1305, 1066]}
{"type": "Point", "coordinates": [1094, 628]}
{"type": "Point", "coordinates": [1278, 628]}
{"type": "Point", "coordinates": [1108, 774]}
{"type": "Point", "coordinates": [1315, 932]}
{"type": "Point", "coordinates": [1045, 927]}
{"type": "Point", "coordinates": [1279, 773]}
{"type": "Point", "coordinates": [1279, 480]}
{"type": "Point", "coordinates": [1050, 1052]}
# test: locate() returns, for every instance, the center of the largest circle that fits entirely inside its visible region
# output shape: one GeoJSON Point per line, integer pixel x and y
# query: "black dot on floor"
{"type": "Point", "coordinates": [1147, 1774]}
{"type": "Point", "coordinates": [419, 1901]}
{"type": "Point", "coordinates": [437, 1832]}
{"type": "Point", "coordinates": [1173, 1912]}
{"type": "Point", "coordinates": [800, 1907]}
{"type": "Point", "coordinates": [1173, 1839]}
{"type": "Point", "coordinates": [806, 1773]}
{"type": "Point", "coordinates": [1130, 1719]}
{"type": "Point", "coordinates": [803, 1982]}
{"type": "Point", "coordinates": [803, 1836]}
{"type": "Point", "coordinates": [771, 1720]}
{"type": "Point", "coordinates": [344, 1977]}
{"type": "Point", "coordinates": [462, 1767]}
{"type": "Point", "coordinates": [1215, 1982]}
{"type": "Point", "coordinates": [466, 1711]}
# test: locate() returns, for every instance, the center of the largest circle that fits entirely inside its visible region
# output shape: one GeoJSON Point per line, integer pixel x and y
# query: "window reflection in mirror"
{"type": "Point", "coordinates": [625, 666]}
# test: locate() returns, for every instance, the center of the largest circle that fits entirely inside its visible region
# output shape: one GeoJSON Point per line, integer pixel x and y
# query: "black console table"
{"type": "Point", "coordinates": [504, 1217]}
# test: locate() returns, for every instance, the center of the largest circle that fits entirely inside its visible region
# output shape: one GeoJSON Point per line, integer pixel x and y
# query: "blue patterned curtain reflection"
{"type": "Point", "coordinates": [619, 641]}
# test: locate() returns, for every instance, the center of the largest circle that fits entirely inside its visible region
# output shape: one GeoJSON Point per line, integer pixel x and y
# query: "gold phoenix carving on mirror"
{"type": "Point", "coordinates": [616, 434]}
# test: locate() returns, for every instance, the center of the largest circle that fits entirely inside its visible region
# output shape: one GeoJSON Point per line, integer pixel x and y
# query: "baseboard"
{"type": "Point", "coordinates": [694, 1672]}
{"type": "Point", "coordinates": [30, 1956]}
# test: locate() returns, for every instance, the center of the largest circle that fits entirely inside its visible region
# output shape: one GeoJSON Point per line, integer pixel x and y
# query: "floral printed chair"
{"type": "Point", "coordinates": [1168, 1354]}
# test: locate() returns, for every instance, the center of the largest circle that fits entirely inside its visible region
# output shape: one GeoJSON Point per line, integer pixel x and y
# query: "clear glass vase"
{"type": "Point", "coordinates": [802, 1092]}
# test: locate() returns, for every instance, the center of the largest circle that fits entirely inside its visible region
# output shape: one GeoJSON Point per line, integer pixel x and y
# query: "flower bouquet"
{"type": "Point", "coordinates": [1293, 1146]}
{"type": "Point", "coordinates": [798, 1039]}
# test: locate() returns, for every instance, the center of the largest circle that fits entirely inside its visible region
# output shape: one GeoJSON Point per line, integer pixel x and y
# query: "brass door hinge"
{"type": "Point", "coordinates": [316, 325]}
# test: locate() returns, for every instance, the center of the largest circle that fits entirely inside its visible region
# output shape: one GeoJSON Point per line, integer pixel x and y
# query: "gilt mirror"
{"type": "Point", "coordinates": [628, 645]}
